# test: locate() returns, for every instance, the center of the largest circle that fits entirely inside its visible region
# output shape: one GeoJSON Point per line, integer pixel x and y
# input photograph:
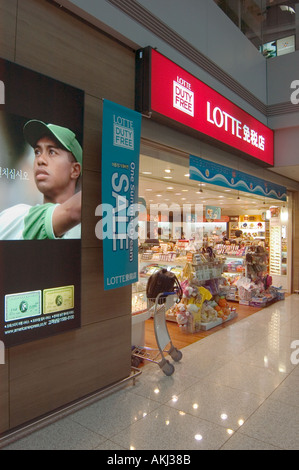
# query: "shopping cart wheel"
{"type": "Point", "coordinates": [176, 355]}
{"type": "Point", "coordinates": [135, 361]}
{"type": "Point", "coordinates": [167, 368]}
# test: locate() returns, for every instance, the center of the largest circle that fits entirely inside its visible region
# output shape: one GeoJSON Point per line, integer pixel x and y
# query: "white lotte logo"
{"type": "Point", "coordinates": [123, 132]}
{"type": "Point", "coordinates": [183, 97]}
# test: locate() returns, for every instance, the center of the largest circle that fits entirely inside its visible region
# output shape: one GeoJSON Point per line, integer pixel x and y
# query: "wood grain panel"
{"type": "Point", "coordinates": [7, 29]}
{"type": "Point", "coordinates": [91, 199]}
{"type": "Point", "coordinates": [97, 304]}
{"type": "Point", "coordinates": [62, 47]}
{"type": "Point", "coordinates": [46, 375]}
{"type": "Point", "coordinates": [8, 12]}
{"type": "Point", "coordinates": [4, 396]}
{"type": "Point", "coordinates": [92, 146]}
{"type": "Point", "coordinates": [50, 373]}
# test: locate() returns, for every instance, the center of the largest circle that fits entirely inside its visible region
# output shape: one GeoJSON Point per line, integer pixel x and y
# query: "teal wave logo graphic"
{"type": "Point", "coordinates": [222, 180]}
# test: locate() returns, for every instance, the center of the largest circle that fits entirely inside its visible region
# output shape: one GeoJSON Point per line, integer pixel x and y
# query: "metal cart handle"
{"type": "Point", "coordinates": [165, 294]}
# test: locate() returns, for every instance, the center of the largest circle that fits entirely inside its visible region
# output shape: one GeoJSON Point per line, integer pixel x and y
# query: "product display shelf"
{"type": "Point", "coordinates": [212, 271]}
{"type": "Point", "coordinates": [256, 264]}
{"type": "Point", "coordinates": [219, 321]}
{"type": "Point", "coordinates": [234, 265]}
{"type": "Point", "coordinates": [275, 250]}
{"type": "Point", "coordinates": [148, 266]}
{"type": "Point", "coordinates": [205, 269]}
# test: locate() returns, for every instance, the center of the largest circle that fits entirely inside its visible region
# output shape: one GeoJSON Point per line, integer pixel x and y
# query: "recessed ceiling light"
{"type": "Point", "coordinates": [185, 190]}
{"type": "Point", "coordinates": [146, 172]}
{"type": "Point", "coordinates": [169, 187]}
{"type": "Point", "coordinates": [178, 194]}
{"type": "Point", "coordinates": [227, 190]}
{"type": "Point", "coordinates": [187, 175]}
{"type": "Point", "coordinates": [167, 177]}
{"type": "Point", "coordinates": [220, 196]}
{"type": "Point", "coordinates": [159, 195]}
{"type": "Point", "coordinates": [148, 189]}
{"type": "Point", "coordinates": [167, 170]}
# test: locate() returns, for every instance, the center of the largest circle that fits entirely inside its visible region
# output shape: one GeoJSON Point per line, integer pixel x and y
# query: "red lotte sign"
{"type": "Point", "coordinates": [180, 96]}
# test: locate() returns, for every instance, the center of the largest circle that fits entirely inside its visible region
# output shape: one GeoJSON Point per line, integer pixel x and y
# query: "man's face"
{"type": "Point", "coordinates": [54, 170]}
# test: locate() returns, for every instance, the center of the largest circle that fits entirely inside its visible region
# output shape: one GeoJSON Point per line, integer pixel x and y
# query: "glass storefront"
{"type": "Point", "coordinates": [270, 25]}
{"type": "Point", "coordinates": [229, 242]}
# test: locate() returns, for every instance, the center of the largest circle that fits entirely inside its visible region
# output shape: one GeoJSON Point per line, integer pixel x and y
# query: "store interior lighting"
{"type": "Point", "coordinates": [153, 183]}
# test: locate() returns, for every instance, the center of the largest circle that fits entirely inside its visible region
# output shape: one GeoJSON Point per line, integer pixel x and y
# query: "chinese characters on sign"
{"type": "Point", "coordinates": [174, 93]}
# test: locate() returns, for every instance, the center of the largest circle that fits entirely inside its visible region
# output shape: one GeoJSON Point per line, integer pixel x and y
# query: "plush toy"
{"type": "Point", "coordinates": [182, 319]}
{"type": "Point", "coordinates": [208, 313]}
{"type": "Point", "coordinates": [222, 302]}
{"type": "Point", "coordinates": [195, 311]}
{"type": "Point", "coordinates": [182, 314]}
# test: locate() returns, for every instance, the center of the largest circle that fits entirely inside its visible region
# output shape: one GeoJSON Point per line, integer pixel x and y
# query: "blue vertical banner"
{"type": "Point", "coordinates": [120, 177]}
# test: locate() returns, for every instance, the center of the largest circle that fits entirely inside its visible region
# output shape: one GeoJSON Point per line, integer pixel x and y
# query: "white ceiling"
{"type": "Point", "coordinates": [291, 172]}
{"type": "Point", "coordinates": [158, 186]}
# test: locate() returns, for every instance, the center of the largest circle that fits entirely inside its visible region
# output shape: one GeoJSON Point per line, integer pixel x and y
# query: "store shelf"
{"type": "Point", "coordinates": [219, 321]}
{"type": "Point", "coordinates": [275, 250]}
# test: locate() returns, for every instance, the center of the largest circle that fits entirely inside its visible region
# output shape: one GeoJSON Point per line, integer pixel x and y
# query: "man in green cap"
{"type": "Point", "coordinates": [57, 170]}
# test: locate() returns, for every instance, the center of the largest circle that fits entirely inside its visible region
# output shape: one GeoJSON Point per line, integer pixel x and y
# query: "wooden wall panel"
{"type": "Point", "coordinates": [99, 305]}
{"type": "Point", "coordinates": [93, 114]}
{"type": "Point", "coordinates": [7, 51]}
{"type": "Point", "coordinates": [91, 199]}
{"type": "Point", "coordinates": [8, 29]}
{"type": "Point", "coordinates": [4, 396]}
{"type": "Point", "coordinates": [58, 45]}
{"type": "Point", "coordinates": [48, 374]}
{"type": "Point", "coordinates": [44, 375]}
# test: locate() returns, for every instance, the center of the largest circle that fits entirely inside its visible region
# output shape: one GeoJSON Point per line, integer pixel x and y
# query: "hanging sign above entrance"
{"type": "Point", "coordinates": [166, 90]}
{"type": "Point", "coordinates": [213, 173]}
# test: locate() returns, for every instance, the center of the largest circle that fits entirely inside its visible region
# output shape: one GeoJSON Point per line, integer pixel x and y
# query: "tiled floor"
{"type": "Point", "coordinates": [235, 389]}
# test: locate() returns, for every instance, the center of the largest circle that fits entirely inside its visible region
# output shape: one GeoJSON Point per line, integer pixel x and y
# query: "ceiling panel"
{"type": "Point", "coordinates": [169, 183]}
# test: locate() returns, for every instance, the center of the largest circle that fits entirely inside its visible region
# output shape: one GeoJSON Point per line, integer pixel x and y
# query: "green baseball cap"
{"type": "Point", "coordinates": [35, 130]}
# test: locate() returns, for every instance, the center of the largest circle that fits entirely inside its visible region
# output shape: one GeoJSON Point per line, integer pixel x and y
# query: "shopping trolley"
{"type": "Point", "coordinates": [157, 309]}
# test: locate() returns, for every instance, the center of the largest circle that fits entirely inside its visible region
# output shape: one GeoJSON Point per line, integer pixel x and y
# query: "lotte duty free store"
{"type": "Point", "coordinates": [203, 177]}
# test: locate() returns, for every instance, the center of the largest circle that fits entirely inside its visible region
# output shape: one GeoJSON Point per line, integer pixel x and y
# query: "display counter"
{"type": "Point", "coordinates": [209, 279]}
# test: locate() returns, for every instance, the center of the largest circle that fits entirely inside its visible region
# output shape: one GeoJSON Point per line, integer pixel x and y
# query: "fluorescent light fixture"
{"type": "Point", "coordinates": [287, 8]}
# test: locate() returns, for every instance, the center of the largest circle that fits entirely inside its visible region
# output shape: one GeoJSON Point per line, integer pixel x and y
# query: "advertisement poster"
{"type": "Point", "coordinates": [120, 174]}
{"type": "Point", "coordinates": [41, 138]}
{"type": "Point", "coordinates": [213, 213]}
